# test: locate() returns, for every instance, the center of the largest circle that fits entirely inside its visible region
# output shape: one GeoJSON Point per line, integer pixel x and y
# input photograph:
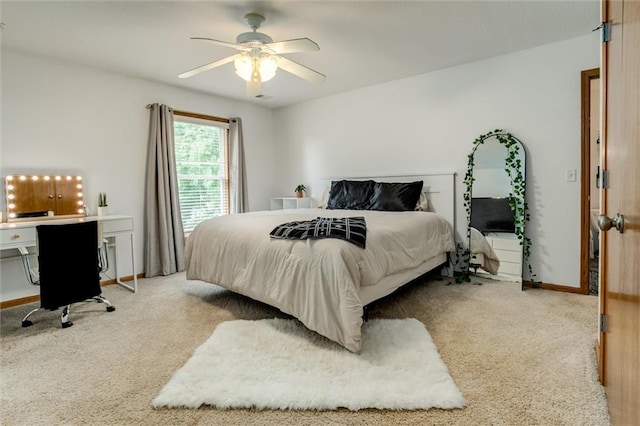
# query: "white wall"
{"type": "Point", "coordinates": [491, 183]}
{"type": "Point", "coordinates": [58, 116]}
{"type": "Point", "coordinates": [428, 122]}
{"type": "Point", "coordinates": [68, 118]}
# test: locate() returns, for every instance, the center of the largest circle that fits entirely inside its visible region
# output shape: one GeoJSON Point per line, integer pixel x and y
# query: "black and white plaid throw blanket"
{"type": "Point", "coordinates": [351, 229]}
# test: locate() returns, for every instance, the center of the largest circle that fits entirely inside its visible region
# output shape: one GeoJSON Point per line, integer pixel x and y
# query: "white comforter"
{"type": "Point", "coordinates": [479, 244]}
{"type": "Point", "coordinates": [316, 281]}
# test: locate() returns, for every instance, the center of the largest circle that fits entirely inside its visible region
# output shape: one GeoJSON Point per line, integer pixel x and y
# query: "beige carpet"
{"type": "Point", "coordinates": [519, 358]}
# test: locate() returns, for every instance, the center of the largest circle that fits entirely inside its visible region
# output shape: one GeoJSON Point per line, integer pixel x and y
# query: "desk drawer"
{"type": "Point", "coordinates": [115, 226]}
{"type": "Point", "coordinates": [18, 237]}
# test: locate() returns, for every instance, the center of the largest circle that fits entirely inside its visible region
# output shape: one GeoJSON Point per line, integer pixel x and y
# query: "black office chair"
{"type": "Point", "coordinates": [69, 263]}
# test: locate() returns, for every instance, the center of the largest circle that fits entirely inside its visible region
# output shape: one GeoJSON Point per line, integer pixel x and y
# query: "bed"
{"type": "Point", "coordinates": [325, 283]}
{"type": "Point", "coordinates": [482, 254]}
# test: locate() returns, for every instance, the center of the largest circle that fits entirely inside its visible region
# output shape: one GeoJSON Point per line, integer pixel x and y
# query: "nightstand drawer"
{"type": "Point", "coordinates": [506, 244]}
{"type": "Point", "coordinates": [510, 268]}
{"type": "Point", "coordinates": [18, 236]}
{"type": "Point", "coordinates": [509, 256]}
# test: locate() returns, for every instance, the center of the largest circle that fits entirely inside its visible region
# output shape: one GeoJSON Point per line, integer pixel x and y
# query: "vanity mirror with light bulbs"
{"type": "Point", "coordinates": [39, 196]}
{"type": "Point", "coordinates": [497, 207]}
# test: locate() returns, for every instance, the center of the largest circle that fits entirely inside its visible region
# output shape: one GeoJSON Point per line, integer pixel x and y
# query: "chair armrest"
{"type": "Point", "coordinates": [103, 255]}
{"type": "Point", "coordinates": [32, 276]}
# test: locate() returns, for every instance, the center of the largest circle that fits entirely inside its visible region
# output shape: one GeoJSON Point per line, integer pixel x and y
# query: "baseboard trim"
{"type": "Point", "coordinates": [35, 298]}
{"type": "Point", "coordinates": [18, 302]}
{"type": "Point", "coordinates": [554, 287]}
{"type": "Point", "coordinates": [125, 278]}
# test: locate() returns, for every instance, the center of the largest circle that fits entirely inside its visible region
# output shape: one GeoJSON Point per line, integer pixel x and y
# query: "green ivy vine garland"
{"type": "Point", "coordinates": [517, 201]}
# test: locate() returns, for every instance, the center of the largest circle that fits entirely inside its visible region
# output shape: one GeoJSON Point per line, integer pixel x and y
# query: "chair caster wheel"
{"type": "Point", "coordinates": [67, 324]}
{"type": "Point", "coordinates": [27, 323]}
{"type": "Point", "coordinates": [111, 308]}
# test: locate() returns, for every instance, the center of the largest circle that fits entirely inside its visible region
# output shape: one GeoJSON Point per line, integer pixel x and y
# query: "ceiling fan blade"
{"type": "Point", "coordinates": [292, 46]}
{"type": "Point", "coordinates": [222, 43]}
{"type": "Point", "coordinates": [300, 70]}
{"type": "Point", "coordinates": [207, 67]}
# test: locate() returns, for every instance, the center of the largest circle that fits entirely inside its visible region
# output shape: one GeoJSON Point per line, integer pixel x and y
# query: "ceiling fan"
{"type": "Point", "coordinates": [260, 57]}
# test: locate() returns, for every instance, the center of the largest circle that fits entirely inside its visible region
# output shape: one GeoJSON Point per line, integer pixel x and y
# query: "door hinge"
{"type": "Point", "coordinates": [606, 31]}
{"type": "Point", "coordinates": [603, 323]}
{"type": "Point", "coordinates": [605, 179]}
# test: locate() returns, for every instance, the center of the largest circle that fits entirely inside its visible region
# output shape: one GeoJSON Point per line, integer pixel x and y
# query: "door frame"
{"type": "Point", "coordinates": [602, 267]}
{"type": "Point", "coordinates": [585, 179]}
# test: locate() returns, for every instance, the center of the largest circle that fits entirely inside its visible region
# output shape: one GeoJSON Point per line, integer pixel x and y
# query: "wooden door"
{"type": "Point", "coordinates": [67, 199]}
{"type": "Point", "coordinates": [620, 345]}
{"type": "Point", "coordinates": [32, 195]}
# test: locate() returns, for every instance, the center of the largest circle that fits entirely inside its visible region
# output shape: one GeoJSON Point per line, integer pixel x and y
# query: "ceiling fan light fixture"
{"type": "Point", "coordinates": [246, 66]}
{"type": "Point", "coordinates": [268, 67]}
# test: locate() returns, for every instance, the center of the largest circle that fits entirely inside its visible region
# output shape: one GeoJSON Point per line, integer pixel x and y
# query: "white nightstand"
{"type": "Point", "coordinates": [280, 203]}
{"type": "Point", "coordinates": [509, 250]}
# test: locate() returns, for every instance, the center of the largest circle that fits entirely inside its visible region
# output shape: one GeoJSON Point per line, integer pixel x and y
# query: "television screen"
{"type": "Point", "coordinates": [492, 215]}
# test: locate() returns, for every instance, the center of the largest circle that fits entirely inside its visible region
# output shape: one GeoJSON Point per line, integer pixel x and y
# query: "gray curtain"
{"type": "Point", "coordinates": [238, 202]}
{"type": "Point", "coordinates": [163, 233]}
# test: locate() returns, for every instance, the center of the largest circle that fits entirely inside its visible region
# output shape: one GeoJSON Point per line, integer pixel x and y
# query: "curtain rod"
{"type": "Point", "coordinates": [196, 115]}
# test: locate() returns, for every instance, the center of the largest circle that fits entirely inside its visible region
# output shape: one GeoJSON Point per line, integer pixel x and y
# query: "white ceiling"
{"type": "Point", "coordinates": [361, 42]}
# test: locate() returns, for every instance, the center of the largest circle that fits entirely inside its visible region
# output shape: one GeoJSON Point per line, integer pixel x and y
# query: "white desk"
{"type": "Point", "coordinates": [23, 234]}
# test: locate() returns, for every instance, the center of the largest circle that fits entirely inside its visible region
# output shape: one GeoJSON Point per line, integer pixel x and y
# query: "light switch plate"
{"type": "Point", "coordinates": [571, 175]}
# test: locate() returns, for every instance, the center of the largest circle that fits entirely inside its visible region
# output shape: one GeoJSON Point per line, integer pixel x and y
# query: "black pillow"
{"type": "Point", "coordinates": [350, 194]}
{"type": "Point", "coordinates": [399, 196]}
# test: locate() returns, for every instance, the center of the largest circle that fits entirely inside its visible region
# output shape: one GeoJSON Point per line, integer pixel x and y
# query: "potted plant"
{"type": "Point", "coordinates": [300, 190]}
{"type": "Point", "coordinates": [102, 204]}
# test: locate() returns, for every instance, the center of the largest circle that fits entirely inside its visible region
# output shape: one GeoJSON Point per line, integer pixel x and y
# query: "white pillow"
{"type": "Point", "coordinates": [423, 203]}
{"type": "Point", "coordinates": [324, 200]}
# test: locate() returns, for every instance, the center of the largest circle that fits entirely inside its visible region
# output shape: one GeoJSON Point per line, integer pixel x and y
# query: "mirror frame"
{"type": "Point", "coordinates": [514, 169]}
{"type": "Point", "coordinates": [49, 206]}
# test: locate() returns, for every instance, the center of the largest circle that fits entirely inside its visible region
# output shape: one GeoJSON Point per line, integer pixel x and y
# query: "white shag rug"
{"type": "Point", "coordinates": [280, 364]}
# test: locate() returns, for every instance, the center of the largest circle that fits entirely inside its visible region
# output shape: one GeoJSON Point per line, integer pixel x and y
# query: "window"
{"type": "Point", "coordinates": [201, 164]}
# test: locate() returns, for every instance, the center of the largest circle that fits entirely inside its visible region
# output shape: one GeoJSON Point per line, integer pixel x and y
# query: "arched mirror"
{"type": "Point", "coordinates": [496, 202]}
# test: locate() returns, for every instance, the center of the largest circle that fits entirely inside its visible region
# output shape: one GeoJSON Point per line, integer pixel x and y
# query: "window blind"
{"type": "Point", "coordinates": [201, 164]}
